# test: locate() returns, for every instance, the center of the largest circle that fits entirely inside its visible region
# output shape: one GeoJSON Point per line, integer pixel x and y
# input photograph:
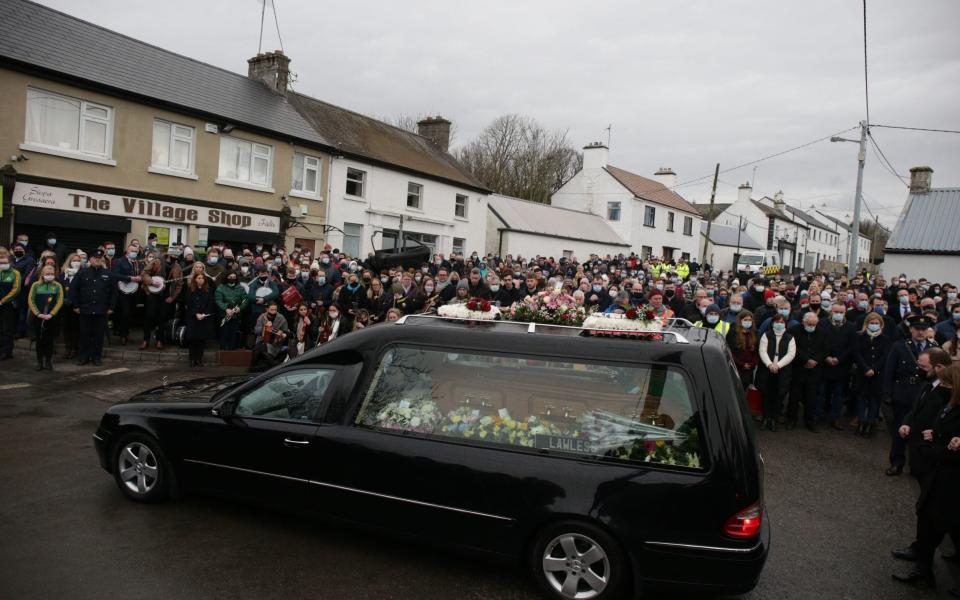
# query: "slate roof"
{"type": "Point", "coordinates": [649, 189]}
{"type": "Point", "coordinates": [772, 212]}
{"type": "Point", "coordinates": [724, 235]}
{"type": "Point", "coordinates": [807, 218]}
{"type": "Point", "coordinates": [928, 224]}
{"type": "Point", "coordinates": [91, 54]}
{"type": "Point", "coordinates": [704, 209]}
{"type": "Point", "coordinates": [543, 219]}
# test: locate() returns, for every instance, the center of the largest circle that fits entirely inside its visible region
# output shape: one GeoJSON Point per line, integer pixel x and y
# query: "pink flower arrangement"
{"type": "Point", "coordinates": [549, 307]}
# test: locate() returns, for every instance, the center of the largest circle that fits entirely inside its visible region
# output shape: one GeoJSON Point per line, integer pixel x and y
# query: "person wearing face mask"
{"type": "Point", "coordinates": [948, 329]}
{"type": "Point", "coordinates": [952, 342]}
{"type": "Point", "coordinates": [333, 325]}
{"type": "Point", "coordinates": [711, 319]}
{"type": "Point", "coordinates": [742, 340]}
{"type": "Point", "coordinates": [10, 284]}
{"type": "Point", "coordinates": [68, 319]}
{"type": "Point", "coordinates": [259, 300]}
{"type": "Point", "coordinates": [813, 347]}
{"type": "Point", "coordinates": [782, 308]}
{"type": "Point", "coordinates": [318, 293]}
{"type": "Point", "coordinates": [127, 270]}
{"type": "Point", "coordinates": [870, 352]}
{"type": "Point", "coordinates": [93, 295]}
{"type": "Point", "coordinates": [407, 297]}
{"type": "Point", "coordinates": [304, 332]}
{"type": "Point", "coordinates": [832, 392]}
{"type": "Point", "coordinates": [200, 312]}
{"type": "Point", "coordinates": [231, 300]}
{"type": "Point", "coordinates": [330, 270]}
{"type": "Point", "coordinates": [379, 301]}
{"type": "Point", "coordinates": [271, 332]}
{"type": "Point", "coordinates": [731, 314]}
{"type": "Point", "coordinates": [54, 245]}
{"type": "Point", "coordinates": [431, 297]}
{"type": "Point", "coordinates": [756, 298]}
{"type": "Point", "coordinates": [215, 268]}
{"type": "Point", "coordinates": [353, 296]}
{"type": "Point", "coordinates": [45, 301]}
{"type": "Point", "coordinates": [690, 288]}
{"type": "Point", "coordinates": [777, 350]}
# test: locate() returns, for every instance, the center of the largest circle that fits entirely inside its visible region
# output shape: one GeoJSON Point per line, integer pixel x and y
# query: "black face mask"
{"type": "Point", "coordinates": [668, 293]}
{"type": "Point", "coordinates": [271, 316]}
{"type": "Point", "coordinates": [232, 281]}
{"type": "Point", "coordinates": [263, 278]}
{"type": "Point", "coordinates": [813, 307]}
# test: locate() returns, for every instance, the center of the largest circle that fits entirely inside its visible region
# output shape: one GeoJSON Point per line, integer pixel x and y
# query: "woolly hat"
{"type": "Point", "coordinates": [463, 284]}
{"type": "Point", "coordinates": [768, 293]}
{"type": "Point", "coordinates": [712, 308]}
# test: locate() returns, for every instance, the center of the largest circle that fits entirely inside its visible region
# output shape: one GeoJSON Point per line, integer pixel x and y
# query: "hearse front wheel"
{"type": "Point", "coordinates": [140, 468]}
{"type": "Point", "coordinates": [571, 560]}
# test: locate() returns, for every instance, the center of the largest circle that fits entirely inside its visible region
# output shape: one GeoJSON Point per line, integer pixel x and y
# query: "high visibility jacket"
{"type": "Point", "coordinates": [683, 270]}
{"type": "Point", "coordinates": [722, 327]}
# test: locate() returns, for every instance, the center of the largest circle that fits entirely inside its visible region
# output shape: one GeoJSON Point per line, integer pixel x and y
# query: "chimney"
{"type": "Point", "coordinates": [272, 68]}
{"type": "Point", "coordinates": [666, 176]}
{"type": "Point", "coordinates": [436, 129]}
{"type": "Point", "coordinates": [778, 202]}
{"type": "Point", "coordinates": [920, 180]}
{"type": "Point", "coordinates": [595, 156]}
{"type": "Point", "coordinates": [744, 192]}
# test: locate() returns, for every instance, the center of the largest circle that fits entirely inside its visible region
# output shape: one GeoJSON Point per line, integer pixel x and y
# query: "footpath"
{"type": "Point", "coordinates": [170, 354]}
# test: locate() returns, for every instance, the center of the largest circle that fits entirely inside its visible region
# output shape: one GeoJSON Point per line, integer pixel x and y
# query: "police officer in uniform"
{"type": "Point", "coordinates": [902, 384]}
{"type": "Point", "coordinates": [93, 296]}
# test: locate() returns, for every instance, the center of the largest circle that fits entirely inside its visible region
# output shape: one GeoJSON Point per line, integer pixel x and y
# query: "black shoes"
{"type": "Point", "coordinates": [83, 361]}
{"type": "Point", "coordinates": [894, 470]}
{"type": "Point", "coordinates": [811, 427]}
{"type": "Point", "coordinates": [917, 578]}
{"type": "Point", "coordinates": [904, 553]}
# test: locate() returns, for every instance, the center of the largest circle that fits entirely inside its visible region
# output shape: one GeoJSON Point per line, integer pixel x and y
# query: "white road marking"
{"type": "Point", "coordinates": [105, 372]}
{"type": "Point", "coordinates": [14, 386]}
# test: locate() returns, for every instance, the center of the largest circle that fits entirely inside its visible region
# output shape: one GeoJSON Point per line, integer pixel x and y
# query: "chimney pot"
{"type": "Point", "coordinates": [437, 130]}
{"type": "Point", "coordinates": [666, 176]}
{"type": "Point", "coordinates": [921, 178]}
{"type": "Point", "coordinates": [271, 68]}
{"type": "Point", "coordinates": [595, 155]}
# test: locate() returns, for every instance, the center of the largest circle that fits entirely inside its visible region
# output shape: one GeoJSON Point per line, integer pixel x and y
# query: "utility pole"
{"type": "Point", "coordinates": [876, 236]}
{"type": "Point", "coordinates": [855, 226]}
{"type": "Point", "coordinates": [713, 195]}
{"type": "Point", "coordinates": [736, 256]}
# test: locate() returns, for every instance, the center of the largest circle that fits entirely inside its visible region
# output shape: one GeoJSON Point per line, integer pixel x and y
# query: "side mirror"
{"type": "Point", "coordinates": [223, 408]}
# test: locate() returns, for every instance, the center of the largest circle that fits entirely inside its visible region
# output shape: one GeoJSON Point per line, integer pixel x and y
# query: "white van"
{"type": "Point", "coordinates": [753, 262]}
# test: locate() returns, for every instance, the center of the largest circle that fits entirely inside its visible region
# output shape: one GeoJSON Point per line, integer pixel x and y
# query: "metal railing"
{"type": "Point", "coordinates": [532, 327]}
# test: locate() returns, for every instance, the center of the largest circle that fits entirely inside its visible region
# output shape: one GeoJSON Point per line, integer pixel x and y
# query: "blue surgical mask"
{"type": "Point", "coordinates": [493, 288]}
{"type": "Point", "coordinates": [779, 327]}
{"type": "Point", "coordinates": [132, 255]}
{"type": "Point", "coordinates": [863, 304]}
{"type": "Point", "coordinates": [597, 288]}
{"type": "Point", "coordinates": [904, 300]}
{"type": "Point", "coordinates": [838, 317]}
{"type": "Point", "coordinates": [956, 317]}
{"type": "Point", "coordinates": [785, 312]}
{"type": "Point", "coordinates": [713, 319]}
{"type": "Point", "coordinates": [51, 241]}
{"type": "Point", "coordinates": [111, 251]}
{"type": "Point", "coordinates": [951, 295]}
{"type": "Point", "coordinates": [212, 259]}
{"type": "Point", "coordinates": [873, 327]}
{"type": "Point", "coordinates": [879, 310]}
{"type": "Point", "coordinates": [747, 324]}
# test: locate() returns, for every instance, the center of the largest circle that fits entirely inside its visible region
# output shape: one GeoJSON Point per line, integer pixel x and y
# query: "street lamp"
{"type": "Point", "coordinates": [854, 258]}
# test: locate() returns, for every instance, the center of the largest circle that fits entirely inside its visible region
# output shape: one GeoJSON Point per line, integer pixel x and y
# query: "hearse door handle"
{"type": "Point", "coordinates": [295, 443]}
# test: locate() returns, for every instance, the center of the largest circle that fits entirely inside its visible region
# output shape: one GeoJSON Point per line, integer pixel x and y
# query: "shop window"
{"type": "Point", "coordinates": [352, 235]}
{"type": "Point", "coordinates": [649, 216]}
{"type": "Point", "coordinates": [173, 148]}
{"type": "Point", "coordinates": [460, 206]}
{"type": "Point", "coordinates": [414, 196]}
{"type": "Point", "coordinates": [306, 175]}
{"type": "Point", "coordinates": [356, 182]}
{"type": "Point", "coordinates": [245, 163]}
{"type": "Point", "coordinates": [68, 126]}
{"type": "Point", "coordinates": [640, 414]}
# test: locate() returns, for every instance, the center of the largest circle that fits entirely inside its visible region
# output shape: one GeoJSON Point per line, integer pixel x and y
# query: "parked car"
{"type": "Point", "coordinates": [604, 464]}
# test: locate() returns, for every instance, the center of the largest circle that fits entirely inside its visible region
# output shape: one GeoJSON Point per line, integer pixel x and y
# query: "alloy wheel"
{"type": "Point", "coordinates": [138, 468]}
{"type": "Point", "coordinates": [576, 567]}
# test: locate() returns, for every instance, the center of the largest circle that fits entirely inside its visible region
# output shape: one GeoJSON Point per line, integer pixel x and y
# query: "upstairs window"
{"type": "Point", "coordinates": [414, 195]}
{"type": "Point", "coordinates": [649, 216]}
{"type": "Point", "coordinates": [356, 181]}
{"type": "Point", "coordinates": [688, 226]}
{"type": "Point", "coordinates": [245, 162]}
{"type": "Point", "coordinates": [68, 126]}
{"type": "Point", "coordinates": [460, 206]}
{"type": "Point", "coordinates": [613, 211]}
{"type": "Point", "coordinates": [306, 174]}
{"type": "Point", "coordinates": [670, 218]}
{"type": "Point", "coordinates": [172, 147]}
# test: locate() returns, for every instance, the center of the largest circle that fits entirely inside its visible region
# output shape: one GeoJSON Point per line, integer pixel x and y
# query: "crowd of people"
{"type": "Point", "coordinates": [816, 348]}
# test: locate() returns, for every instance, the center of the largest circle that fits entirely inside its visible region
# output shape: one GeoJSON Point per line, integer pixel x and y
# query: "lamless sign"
{"type": "Point", "coordinates": [57, 198]}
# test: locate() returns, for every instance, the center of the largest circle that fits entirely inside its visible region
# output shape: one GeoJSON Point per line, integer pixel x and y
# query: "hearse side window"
{"type": "Point", "coordinates": [638, 414]}
{"type": "Point", "coordinates": [294, 395]}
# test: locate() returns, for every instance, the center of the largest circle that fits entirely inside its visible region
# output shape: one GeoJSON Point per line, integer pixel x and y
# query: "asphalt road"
{"type": "Point", "coordinates": [66, 531]}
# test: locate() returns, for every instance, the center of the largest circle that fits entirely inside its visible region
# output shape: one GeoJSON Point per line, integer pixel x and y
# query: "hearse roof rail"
{"type": "Point", "coordinates": [534, 327]}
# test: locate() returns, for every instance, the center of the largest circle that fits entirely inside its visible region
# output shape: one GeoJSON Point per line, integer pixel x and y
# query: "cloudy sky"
{"type": "Point", "coordinates": [684, 83]}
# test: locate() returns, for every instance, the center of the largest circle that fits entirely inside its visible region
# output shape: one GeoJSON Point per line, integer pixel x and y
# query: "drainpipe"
{"type": "Point", "coordinates": [8, 179]}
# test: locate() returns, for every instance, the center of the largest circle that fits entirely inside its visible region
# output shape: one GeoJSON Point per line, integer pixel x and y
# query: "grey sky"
{"type": "Point", "coordinates": [686, 84]}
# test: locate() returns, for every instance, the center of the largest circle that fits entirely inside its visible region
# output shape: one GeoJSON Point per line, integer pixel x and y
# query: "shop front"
{"type": "Point", "coordinates": [86, 217]}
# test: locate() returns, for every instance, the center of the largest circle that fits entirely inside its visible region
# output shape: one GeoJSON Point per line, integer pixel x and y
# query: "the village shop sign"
{"type": "Point", "coordinates": [43, 196]}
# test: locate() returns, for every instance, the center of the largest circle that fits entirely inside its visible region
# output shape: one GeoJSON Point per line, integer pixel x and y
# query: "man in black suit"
{"type": "Point", "coordinates": [903, 309]}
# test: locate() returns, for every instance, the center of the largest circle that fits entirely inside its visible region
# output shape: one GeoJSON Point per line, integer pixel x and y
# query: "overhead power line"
{"type": "Point", "coordinates": [866, 80]}
{"type": "Point", "coordinates": [276, 22]}
{"type": "Point", "coordinates": [916, 128]}
{"type": "Point", "coordinates": [885, 161]}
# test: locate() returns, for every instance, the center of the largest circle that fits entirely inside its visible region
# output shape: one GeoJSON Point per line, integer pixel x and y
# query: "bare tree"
{"type": "Point", "coordinates": [409, 123]}
{"type": "Point", "coordinates": [878, 234]}
{"type": "Point", "coordinates": [516, 156]}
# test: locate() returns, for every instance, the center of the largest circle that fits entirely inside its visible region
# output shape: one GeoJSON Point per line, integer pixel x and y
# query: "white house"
{"type": "Point", "coordinates": [383, 173]}
{"type": "Point", "coordinates": [529, 229]}
{"type": "Point", "coordinates": [841, 231]}
{"type": "Point", "coordinates": [644, 212]}
{"type": "Point", "coordinates": [726, 245]}
{"type": "Point", "coordinates": [818, 243]}
{"type": "Point", "coordinates": [926, 239]}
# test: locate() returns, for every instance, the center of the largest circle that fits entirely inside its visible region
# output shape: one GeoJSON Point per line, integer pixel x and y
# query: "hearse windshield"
{"type": "Point", "coordinates": [639, 413]}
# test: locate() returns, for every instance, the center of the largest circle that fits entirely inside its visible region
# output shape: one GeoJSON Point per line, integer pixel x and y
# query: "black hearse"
{"type": "Point", "coordinates": [603, 463]}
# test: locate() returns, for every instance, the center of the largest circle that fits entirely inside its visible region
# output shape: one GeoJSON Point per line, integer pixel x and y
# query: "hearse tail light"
{"type": "Point", "coordinates": [746, 523]}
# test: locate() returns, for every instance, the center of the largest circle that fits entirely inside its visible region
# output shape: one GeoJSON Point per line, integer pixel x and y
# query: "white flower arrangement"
{"type": "Point", "coordinates": [621, 323]}
{"type": "Point", "coordinates": [475, 309]}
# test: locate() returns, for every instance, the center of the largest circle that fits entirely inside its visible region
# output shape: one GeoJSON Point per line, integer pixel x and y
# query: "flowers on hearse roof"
{"type": "Point", "coordinates": [552, 307]}
{"type": "Point", "coordinates": [475, 308]}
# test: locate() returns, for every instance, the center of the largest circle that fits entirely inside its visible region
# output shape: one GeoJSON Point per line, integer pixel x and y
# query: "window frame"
{"type": "Point", "coordinates": [80, 154]}
{"type": "Point", "coordinates": [457, 205]}
{"type": "Point", "coordinates": [362, 183]}
{"type": "Point", "coordinates": [614, 205]}
{"type": "Point", "coordinates": [249, 183]}
{"type": "Point", "coordinates": [462, 246]}
{"type": "Point", "coordinates": [649, 211]}
{"type": "Point", "coordinates": [688, 225]}
{"type": "Point", "coordinates": [419, 196]}
{"type": "Point", "coordinates": [368, 378]}
{"type": "Point", "coordinates": [189, 173]}
{"type": "Point", "coordinates": [318, 417]}
{"type": "Point", "coordinates": [671, 218]}
{"type": "Point", "coordinates": [358, 236]}
{"type": "Point", "coordinates": [304, 193]}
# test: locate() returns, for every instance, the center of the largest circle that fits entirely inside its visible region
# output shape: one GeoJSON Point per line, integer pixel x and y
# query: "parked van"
{"type": "Point", "coordinates": [603, 464]}
{"type": "Point", "coordinates": [753, 262]}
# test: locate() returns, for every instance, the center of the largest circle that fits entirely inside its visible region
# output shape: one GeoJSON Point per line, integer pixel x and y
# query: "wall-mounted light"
{"type": "Point", "coordinates": [227, 128]}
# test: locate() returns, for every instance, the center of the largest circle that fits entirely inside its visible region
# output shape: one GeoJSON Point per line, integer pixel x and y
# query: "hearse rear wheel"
{"type": "Point", "coordinates": [571, 560]}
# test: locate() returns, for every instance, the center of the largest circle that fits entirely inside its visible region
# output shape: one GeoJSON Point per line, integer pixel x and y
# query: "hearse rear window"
{"type": "Point", "coordinates": [639, 413]}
